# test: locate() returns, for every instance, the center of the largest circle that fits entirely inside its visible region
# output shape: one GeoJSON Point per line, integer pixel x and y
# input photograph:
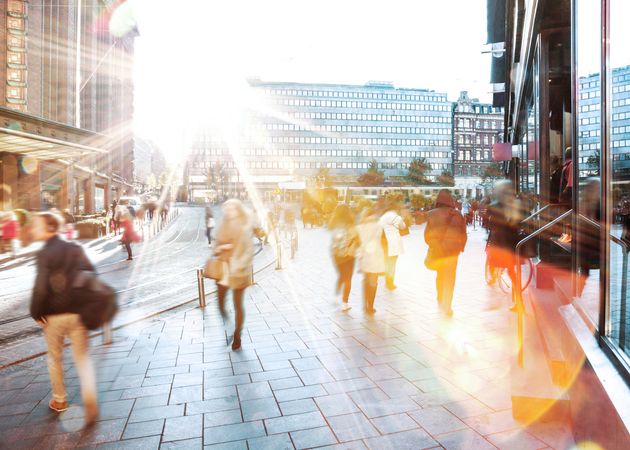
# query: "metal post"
{"type": "Point", "coordinates": [624, 291]}
{"type": "Point", "coordinates": [202, 294]}
{"type": "Point", "coordinates": [279, 252]}
{"type": "Point", "coordinates": [107, 333]}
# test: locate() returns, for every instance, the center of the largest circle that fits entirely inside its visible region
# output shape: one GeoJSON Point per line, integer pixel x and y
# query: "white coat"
{"type": "Point", "coordinates": [371, 254]}
{"type": "Point", "coordinates": [392, 223]}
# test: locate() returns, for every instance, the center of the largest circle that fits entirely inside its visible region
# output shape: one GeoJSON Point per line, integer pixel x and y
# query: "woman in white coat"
{"type": "Point", "coordinates": [392, 223]}
{"type": "Point", "coordinates": [371, 256]}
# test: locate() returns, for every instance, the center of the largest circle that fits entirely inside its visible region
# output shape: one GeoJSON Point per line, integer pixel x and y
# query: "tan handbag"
{"type": "Point", "coordinates": [214, 269]}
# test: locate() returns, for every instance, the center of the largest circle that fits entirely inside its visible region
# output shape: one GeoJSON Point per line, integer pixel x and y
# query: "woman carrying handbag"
{"type": "Point", "coordinates": [445, 234]}
{"type": "Point", "coordinates": [235, 249]}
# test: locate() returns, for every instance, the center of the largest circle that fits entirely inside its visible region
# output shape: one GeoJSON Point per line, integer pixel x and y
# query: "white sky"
{"type": "Point", "coordinates": [193, 55]}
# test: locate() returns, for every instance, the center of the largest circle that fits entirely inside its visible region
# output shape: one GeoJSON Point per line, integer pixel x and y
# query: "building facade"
{"type": "Point", "coordinates": [301, 128]}
{"type": "Point", "coordinates": [142, 154]}
{"type": "Point", "coordinates": [476, 128]}
{"type": "Point", "coordinates": [67, 97]}
{"type": "Point", "coordinates": [567, 99]}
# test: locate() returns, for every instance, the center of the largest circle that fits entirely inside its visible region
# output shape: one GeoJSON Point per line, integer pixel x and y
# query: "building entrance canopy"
{"type": "Point", "coordinates": [43, 139]}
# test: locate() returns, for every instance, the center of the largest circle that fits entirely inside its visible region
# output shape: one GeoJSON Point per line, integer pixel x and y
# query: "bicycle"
{"type": "Point", "coordinates": [502, 277]}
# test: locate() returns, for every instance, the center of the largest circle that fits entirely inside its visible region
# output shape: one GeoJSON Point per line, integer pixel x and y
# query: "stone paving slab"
{"type": "Point", "coordinates": [308, 375]}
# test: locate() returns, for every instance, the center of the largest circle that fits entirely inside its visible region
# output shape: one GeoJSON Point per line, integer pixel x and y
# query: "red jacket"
{"type": "Point", "coordinates": [11, 230]}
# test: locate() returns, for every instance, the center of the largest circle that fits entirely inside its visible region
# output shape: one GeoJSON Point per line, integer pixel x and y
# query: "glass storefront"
{"type": "Point", "coordinates": [618, 189]}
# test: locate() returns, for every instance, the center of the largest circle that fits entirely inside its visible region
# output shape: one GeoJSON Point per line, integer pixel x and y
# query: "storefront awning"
{"type": "Point", "coordinates": [44, 139]}
{"type": "Point", "coordinates": [40, 147]}
{"type": "Point", "coordinates": [292, 185]}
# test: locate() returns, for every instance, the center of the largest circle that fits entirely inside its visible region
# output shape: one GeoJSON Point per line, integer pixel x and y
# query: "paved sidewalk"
{"type": "Point", "coordinates": [307, 376]}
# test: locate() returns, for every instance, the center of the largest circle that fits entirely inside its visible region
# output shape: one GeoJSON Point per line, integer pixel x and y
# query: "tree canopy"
{"type": "Point", "coordinates": [418, 170]}
{"type": "Point", "coordinates": [373, 177]}
{"type": "Point", "coordinates": [446, 178]}
{"type": "Point", "coordinates": [492, 173]}
{"type": "Point", "coordinates": [322, 179]}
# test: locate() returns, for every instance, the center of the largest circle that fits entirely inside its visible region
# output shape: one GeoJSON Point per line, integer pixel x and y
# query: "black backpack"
{"type": "Point", "coordinates": [92, 299]}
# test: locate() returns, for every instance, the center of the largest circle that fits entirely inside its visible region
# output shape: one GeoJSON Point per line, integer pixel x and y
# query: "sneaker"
{"type": "Point", "coordinates": [57, 406]}
{"type": "Point", "coordinates": [209, 245]}
{"type": "Point", "coordinates": [514, 308]}
{"type": "Point", "coordinates": [346, 307]}
{"type": "Point", "coordinates": [370, 311]}
{"type": "Point", "coordinates": [128, 259]}
{"type": "Point", "coordinates": [448, 312]}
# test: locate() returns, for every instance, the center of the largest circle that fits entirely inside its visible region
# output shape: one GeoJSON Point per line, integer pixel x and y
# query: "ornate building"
{"type": "Point", "coordinates": [66, 96]}
{"type": "Point", "coordinates": [476, 127]}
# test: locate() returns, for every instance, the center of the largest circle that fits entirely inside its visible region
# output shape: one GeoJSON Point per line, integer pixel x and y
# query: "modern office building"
{"type": "Point", "coordinates": [66, 104]}
{"type": "Point", "coordinates": [142, 155]}
{"type": "Point", "coordinates": [476, 128]}
{"type": "Point", "coordinates": [566, 83]}
{"type": "Point", "coordinates": [301, 128]}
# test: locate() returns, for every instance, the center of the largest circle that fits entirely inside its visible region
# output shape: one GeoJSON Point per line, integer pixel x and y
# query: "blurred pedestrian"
{"type": "Point", "coordinates": [392, 223]}
{"type": "Point", "coordinates": [344, 244]}
{"type": "Point", "coordinates": [129, 233]}
{"type": "Point", "coordinates": [371, 256]}
{"type": "Point", "coordinates": [445, 233]}
{"type": "Point", "coordinates": [10, 233]}
{"type": "Point", "coordinates": [466, 211]}
{"type": "Point", "coordinates": [210, 224]}
{"type": "Point", "coordinates": [504, 217]}
{"type": "Point", "coordinates": [234, 246]}
{"type": "Point", "coordinates": [52, 309]}
{"type": "Point", "coordinates": [258, 229]}
{"type": "Point", "coordinates": [271, 228]}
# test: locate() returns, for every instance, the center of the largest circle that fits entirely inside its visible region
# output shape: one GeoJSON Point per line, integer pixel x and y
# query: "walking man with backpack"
{"type": "Point", "coordinates": [52, 308]}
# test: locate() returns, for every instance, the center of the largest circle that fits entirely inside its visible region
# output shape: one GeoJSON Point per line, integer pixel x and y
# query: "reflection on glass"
{"type": "Point", "coordinates": [620, 149]}
{"type": "Point", "coordinates": [587, 157]}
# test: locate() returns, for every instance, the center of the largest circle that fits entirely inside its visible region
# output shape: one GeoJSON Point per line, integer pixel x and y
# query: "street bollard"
{"type": "Point", "coordinates": [202, 294]}
{"type": "Point", "coordinates": [293, 248]}
{"type": "Point", "coordinates": [279, 251]}
{"type": "Point", "coordinates": [107, 333]}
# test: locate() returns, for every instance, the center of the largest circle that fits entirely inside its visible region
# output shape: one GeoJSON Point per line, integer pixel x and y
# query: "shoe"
{"type": "Point", "coordinates": [346, 307]}
{"type": "Point", "coordinates": [370, 311]}
{"type": "Point", "coordinates": [514, 308]}
{"type": "Point", "coordinates": [448, 312]}
{"type": "Point", "coordinates": [91, 413]}
{"type": "Point", "coordinates": [209, 245]}
{"type": "Point", "coordinates": [57, 406]}
{"type": "Point", "coordinates": [237, 342]}
{"type": "Point", "coordinates": [128, 259]}
{"type": "Point", "coordinates": [391, 286]}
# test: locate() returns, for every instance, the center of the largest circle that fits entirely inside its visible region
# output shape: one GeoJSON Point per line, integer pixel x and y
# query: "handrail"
{"type": "Point", "coordinates": [539, 211]}
{"type": "Point", "coordinates": [517, 282]}
{"type": "Point", "coordinates": [615, 239]}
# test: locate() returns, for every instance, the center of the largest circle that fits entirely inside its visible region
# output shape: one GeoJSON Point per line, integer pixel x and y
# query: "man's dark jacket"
{"type": "Point", "coordinates": [57, 265]}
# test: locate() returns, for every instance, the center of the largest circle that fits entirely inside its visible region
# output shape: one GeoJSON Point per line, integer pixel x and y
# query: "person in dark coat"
{"type": "Point", "coordinates": [504, 216]}
{"type": "Point", "coordinates": [445, 232]}
{"type": "Point", "coordinates": [52, 308]}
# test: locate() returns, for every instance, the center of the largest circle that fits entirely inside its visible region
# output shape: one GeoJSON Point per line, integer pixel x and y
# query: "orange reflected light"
{"type": "Point", "coordinates": [29, 164]}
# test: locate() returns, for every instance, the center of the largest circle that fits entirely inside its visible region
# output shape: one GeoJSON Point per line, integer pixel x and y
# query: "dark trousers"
{"type": "Point", "coordinates": [238, 306]}
{"type": "Point", "coordinates": [390, 268]}
{"type": "Point", "coordinates": [128, 247]}
{"type": "Point", "coordinates": [445, 281]}
{"type": "Point", "coordinates": [208, 233]}
{"type": "Point", "coordinates": [370, 283]}
{"type": "Point", "coordinates": [346, 269]}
